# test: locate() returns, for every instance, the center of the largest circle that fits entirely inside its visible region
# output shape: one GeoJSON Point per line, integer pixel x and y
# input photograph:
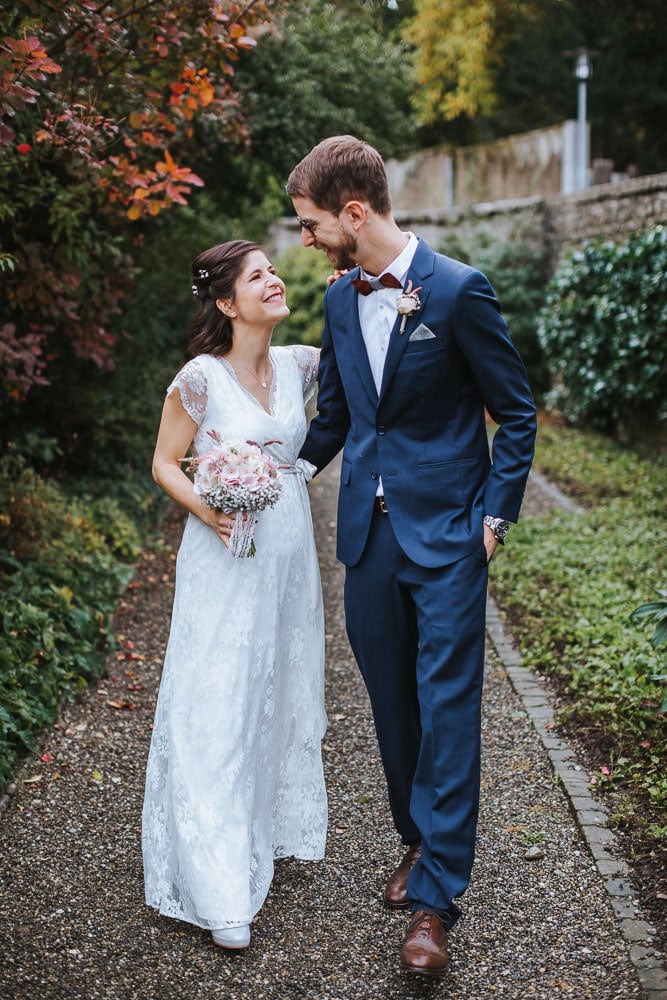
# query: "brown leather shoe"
{"type": "Point", "coordinates": [396, 889]}
{"type": "Point", "coordinates": [424, 948]}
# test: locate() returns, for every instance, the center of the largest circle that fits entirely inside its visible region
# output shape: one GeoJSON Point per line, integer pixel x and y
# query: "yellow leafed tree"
{"type": "Point", "coordinates": [457, 50]}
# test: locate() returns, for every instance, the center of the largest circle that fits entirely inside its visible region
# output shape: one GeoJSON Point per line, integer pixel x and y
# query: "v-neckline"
{"type": "Point", "coordinates": [229, 368]}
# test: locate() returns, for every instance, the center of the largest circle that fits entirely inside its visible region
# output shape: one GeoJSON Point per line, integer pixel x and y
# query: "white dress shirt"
{"type": "Point", "coordinates": [377, 315]}
{"type": "Point", "coordinates": [377, 311]}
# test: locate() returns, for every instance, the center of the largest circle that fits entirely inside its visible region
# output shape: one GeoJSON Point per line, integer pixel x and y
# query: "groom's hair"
{"type": "Point", "coordinates": [341, 169]}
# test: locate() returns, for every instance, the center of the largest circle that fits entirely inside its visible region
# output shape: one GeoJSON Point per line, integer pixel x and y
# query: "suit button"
{"type": "Point", "coordinates": [374, 475]}
{"type": "Point", "coordinates": [380, 429]}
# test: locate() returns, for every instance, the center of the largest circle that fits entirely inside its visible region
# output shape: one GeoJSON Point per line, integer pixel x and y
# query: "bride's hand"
{"type": "Point", "coordinates": [336, 275]}
{"type": "Point", "coordinates": [221, 523]}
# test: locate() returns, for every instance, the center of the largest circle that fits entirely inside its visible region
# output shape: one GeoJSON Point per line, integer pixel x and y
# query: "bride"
{"type": "Point", "coordinates": [234, 777]}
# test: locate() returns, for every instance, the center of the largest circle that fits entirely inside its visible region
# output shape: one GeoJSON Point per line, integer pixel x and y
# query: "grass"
{"type": "Point", "coordinates": [568, 584]}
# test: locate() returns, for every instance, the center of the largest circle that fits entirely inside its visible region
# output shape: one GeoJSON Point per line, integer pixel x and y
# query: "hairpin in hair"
{"type": "Point", "coordinates": [202, 275]}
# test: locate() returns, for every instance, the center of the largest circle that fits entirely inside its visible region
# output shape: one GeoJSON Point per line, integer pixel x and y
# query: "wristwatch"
{"type": "Point", "coordinates": [498, 526]}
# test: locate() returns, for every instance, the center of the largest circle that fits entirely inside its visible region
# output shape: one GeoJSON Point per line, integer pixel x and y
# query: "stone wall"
{"type": "Point", "coordinates": [610, 211]}
{"type": "Point", "coordinates": [495, 221]}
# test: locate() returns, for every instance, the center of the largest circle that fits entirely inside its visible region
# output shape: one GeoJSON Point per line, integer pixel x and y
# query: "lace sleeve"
{"type": "Point", "coordinates": [193, 389]}
{"type": "Point", "coordinates": [308, 360]}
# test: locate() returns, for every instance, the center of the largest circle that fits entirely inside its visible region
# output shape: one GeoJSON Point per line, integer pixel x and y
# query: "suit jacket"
{"type": "Point", "coordinates": [425, 434]}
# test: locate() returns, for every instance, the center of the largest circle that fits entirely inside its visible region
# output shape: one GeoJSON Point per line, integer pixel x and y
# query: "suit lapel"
{"type": "Point", "coordinates": [421, 270]}
{"type": "Point", "coordinates": [350, 312]}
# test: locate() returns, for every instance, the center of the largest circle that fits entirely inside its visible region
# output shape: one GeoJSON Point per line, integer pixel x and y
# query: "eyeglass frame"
{"type": "Point", "coordinates": [312, 226]}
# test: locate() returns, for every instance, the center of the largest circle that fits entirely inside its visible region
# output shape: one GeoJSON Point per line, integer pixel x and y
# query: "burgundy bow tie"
{"type": "Point", "coordinates": [375, 284]}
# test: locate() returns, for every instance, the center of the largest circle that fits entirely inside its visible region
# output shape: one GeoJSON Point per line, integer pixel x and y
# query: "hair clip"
{"type": "Point", "coordinates": [202, 273]}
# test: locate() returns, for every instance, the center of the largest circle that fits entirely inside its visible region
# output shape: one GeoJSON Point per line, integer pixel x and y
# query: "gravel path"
{"type": "Point", "coordinates": [72, 919]}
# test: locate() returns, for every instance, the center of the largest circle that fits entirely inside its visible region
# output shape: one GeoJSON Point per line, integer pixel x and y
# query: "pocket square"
{"type": "Point", "coordinates": [422, 333]}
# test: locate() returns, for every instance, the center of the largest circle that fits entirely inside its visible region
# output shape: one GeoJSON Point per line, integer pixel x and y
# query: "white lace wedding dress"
{"type": "Point", "coordinates": [234, 777]}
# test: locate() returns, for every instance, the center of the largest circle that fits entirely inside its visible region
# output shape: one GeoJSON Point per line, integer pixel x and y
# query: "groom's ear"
{"type": "Point", "coordinates": [356, 213]}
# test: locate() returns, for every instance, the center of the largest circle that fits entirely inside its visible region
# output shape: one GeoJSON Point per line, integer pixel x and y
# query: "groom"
{"type": "Point", "coordinates": [413, 350]}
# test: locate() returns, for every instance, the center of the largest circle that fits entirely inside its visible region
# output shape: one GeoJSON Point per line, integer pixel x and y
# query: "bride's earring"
{"type": "Point", "coordinates": [225, 308]}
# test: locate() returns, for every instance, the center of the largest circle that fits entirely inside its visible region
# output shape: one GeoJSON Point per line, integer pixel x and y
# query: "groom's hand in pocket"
{"type": "Point", "coordinates": [490, 543]}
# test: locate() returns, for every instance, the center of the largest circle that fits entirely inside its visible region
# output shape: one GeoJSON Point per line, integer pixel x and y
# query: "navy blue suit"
{"type": "Point", "coordinates": [415, 587]}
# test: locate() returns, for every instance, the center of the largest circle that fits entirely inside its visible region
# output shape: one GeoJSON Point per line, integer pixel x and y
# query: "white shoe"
{"type": "Point", "coordinates": [232, 937]}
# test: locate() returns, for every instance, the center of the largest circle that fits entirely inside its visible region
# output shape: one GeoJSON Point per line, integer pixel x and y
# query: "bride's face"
{"type": "Point", "coordinates": [259, 294]}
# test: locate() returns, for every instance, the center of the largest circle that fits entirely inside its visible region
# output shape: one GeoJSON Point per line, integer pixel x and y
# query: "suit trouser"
{"type": "Point", "coordinates": [418, 637]}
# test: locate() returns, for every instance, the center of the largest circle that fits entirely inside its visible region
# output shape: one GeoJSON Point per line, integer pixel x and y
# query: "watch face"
{"type": "Point", "coordinates": [501, 529]}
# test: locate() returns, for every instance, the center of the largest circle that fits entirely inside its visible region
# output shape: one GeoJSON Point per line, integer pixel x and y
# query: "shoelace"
{"type": "Point", "coordinates": [422, 923]}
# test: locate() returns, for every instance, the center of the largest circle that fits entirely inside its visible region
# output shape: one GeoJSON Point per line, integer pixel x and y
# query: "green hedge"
{"type": "Point", "coordinates": [517, 267]}
{"type": "Point", "coordinates": [604, 332]}
{"type": "Point", "coordinates": [569, 584]}
{"type": "Point", "coordinates": [63, 564]}
{"type": "Point", "coordinates": [305, 272]}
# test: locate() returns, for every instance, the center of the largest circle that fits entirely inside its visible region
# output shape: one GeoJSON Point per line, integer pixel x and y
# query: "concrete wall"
{"type": "Point", "coordinates": [521, 166]}
{"type": "Point", "coordinates": [541, 162]}
{"type": "Point", "coordinates": [425, 180]}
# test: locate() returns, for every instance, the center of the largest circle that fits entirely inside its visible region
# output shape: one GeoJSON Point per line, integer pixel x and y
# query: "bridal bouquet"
{"type": "Point", "coordinates": [237, 477]}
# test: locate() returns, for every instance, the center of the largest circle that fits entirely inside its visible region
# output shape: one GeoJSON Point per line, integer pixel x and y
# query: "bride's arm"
{"type": "Point", "coordinates": [175, 435]}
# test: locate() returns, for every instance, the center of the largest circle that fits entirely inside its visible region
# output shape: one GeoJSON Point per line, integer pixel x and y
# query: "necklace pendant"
{"type": "Point", "coordinates": [263, 384]}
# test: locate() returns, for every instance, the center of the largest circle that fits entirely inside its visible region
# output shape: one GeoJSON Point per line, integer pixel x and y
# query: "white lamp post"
{"type": "Point", "coordinates": [583, 72]}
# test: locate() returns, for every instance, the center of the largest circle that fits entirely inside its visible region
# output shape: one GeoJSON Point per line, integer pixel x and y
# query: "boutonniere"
{"type": "Point", "coordinates": [408, 303]}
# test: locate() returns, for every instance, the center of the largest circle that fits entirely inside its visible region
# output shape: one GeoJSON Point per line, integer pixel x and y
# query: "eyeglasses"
{"type": "Point", "coordinates": [305, 224]}
{"type": "Point", "coordinates": [312, 226]}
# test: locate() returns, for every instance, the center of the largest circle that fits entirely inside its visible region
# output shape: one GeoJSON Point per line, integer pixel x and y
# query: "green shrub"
{"type": "Point", "coordinates": [654, 612]}
{"type": "Point", "coordinates": [305, 273]}
{"type": "Point", "coordinates": [62, 567]}
{"type": "Point", "coordinates": [604, 331]}
{"type": "Point", "coordinates": [517, 267]}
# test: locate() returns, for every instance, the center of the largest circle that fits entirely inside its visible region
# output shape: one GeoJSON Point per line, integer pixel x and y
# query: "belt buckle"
{"type": "Point", "coordinates": [382, 504]}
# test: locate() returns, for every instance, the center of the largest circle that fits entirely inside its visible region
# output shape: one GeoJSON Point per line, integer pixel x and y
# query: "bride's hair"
{"type": "Point", "coordinates": [214, 275]}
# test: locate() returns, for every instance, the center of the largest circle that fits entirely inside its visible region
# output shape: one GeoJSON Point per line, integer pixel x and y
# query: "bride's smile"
{"type": "Point", "coordinates": [259, 294]}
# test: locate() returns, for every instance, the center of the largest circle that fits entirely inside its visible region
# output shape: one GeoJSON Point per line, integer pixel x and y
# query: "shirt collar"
{"type": "Point", "coordinates": [400, 265]}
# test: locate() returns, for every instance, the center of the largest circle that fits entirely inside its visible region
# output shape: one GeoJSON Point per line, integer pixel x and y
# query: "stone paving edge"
{"type": "Point", "coordinates": [589, 814]}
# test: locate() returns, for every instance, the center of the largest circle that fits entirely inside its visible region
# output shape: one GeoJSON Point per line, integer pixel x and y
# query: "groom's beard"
{"type": "Point", "coordinates": [344, 256]}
